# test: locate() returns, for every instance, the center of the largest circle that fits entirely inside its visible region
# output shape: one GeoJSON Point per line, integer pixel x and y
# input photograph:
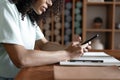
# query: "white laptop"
{"type": "Point", "coordinates": [93, 59]}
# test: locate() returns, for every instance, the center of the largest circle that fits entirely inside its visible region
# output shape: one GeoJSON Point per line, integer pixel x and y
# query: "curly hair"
{"type": "Point", "coordinates": [24, 7]}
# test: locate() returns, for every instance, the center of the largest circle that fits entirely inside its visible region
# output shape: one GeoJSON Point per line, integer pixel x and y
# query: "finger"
{"type": "Point", "coordinates": [75, 43]}
{"type": "Point", "coordinates": [81, 54]}
{"type": "Point", "coordinates": [85, 50]}
{"type": "Point", "coordinates": [89, 42]}
{"type": "Point", "coordinates": [85, 45]}
{"type": "Point", "coordinates": [77, 38]}
{"type": "Point", "coordinates": [89, 47]}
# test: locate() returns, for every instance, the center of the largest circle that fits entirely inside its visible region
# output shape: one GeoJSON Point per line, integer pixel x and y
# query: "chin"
{"type": "Point", "coordinates": [39, 12]}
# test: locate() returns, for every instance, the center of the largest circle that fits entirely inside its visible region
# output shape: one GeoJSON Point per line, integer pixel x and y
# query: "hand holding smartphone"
{"type": "Point", "coordinates": [90, 39]}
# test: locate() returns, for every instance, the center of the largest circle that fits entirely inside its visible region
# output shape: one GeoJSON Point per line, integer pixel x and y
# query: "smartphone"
{"type": "Point", "coordinates": [95, 36]}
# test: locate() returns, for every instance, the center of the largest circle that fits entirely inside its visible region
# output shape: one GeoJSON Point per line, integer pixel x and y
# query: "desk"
{"type": "Point", "coordinates": [36, 73]}
{"type": "Point", "coordinates": [86, 73]}
{"type": "Point", "coordinates": [46, 72]}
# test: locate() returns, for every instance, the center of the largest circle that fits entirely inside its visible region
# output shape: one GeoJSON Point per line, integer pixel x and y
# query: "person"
{"type": "Point", "coordinates": [22, 43]}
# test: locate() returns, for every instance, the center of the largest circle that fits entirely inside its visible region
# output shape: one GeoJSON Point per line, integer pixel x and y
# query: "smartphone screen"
{"type": "Point", "coordinates": [95, 36]}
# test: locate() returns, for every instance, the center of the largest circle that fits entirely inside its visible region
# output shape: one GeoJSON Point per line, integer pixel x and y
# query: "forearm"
{"type": "Point", "coordinates": [48, 53]}
{"type": "Point", "coordinates": [52, 46]}
{"type": "Point", "coordinates": [45, 45]}
{"type": "Point", "coordinates": [38, 58]}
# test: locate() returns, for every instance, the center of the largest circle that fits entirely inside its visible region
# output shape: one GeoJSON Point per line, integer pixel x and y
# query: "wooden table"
{"type": "Point", "coordinates": [86, 73]}
{"type": "Point", "coordinates": [36, 73]}
{"type": "Point", "coordinates": [46, 72]}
